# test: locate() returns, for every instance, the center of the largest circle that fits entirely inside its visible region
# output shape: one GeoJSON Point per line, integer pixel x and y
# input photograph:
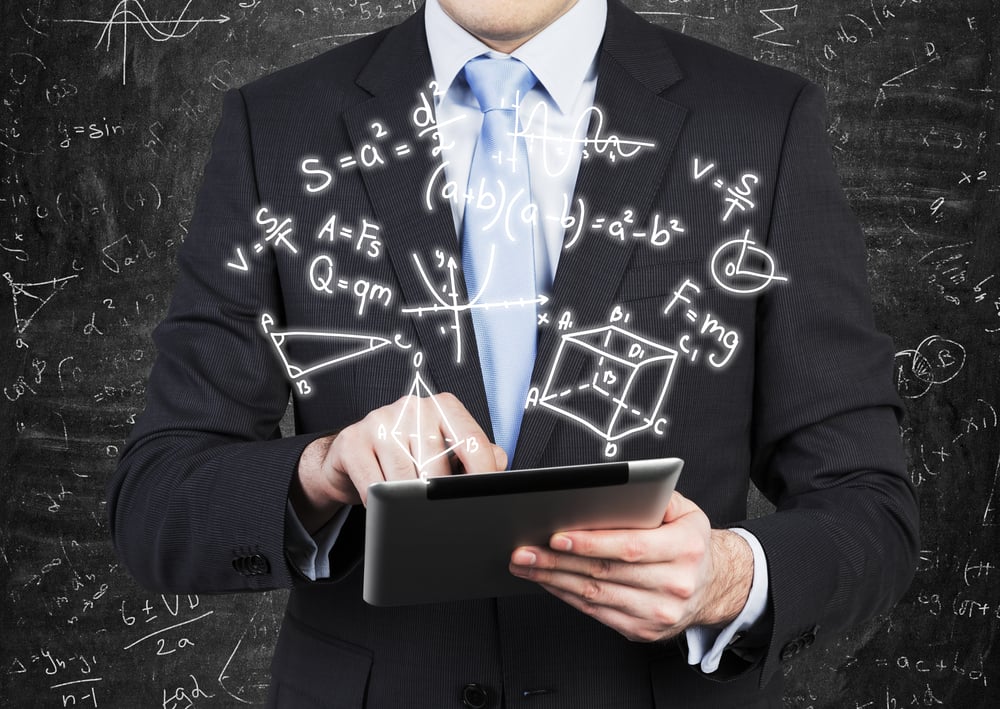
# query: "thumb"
{"type": "Point", "coordinates": [678, 507]}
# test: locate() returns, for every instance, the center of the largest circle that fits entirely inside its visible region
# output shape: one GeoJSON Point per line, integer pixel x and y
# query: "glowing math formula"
{"type": "Point", "coordinates": [739, 196]}
{"type": "Point", "coordinates": [327, 349]}
{"type": "Point", "coordinates": [449, 301]}
{"type": "Point", "coordinates": [590, 124]}
{"type": "Point", "coordinates": [323, 279]}
{"type": "Point", "coordinates": [660, 267]}
{"type": "Point", "coordinates": [707, 328]}
{"type": "Point", "coordinates": [621, 227]}
{"type": "Point", "coordinates": [630, 372]}
{"type": "Point", "coordinates": [741, 267]}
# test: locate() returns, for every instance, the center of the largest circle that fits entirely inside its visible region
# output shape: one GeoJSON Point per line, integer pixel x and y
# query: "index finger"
{"type": "Point", "coordinates": [613, 544]}
{"type": "Point", "coordinates": [475, 452]}
{"type": "Point", "coordinates": [676, 537]}
{"type": "Point", "coordinates": [665, 543]}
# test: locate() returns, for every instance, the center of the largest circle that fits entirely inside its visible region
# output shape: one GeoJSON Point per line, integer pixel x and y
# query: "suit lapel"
{"type": "Point", "coordinates": [634, 68]}
{"type": "Point", "coordinates": [398, 71]}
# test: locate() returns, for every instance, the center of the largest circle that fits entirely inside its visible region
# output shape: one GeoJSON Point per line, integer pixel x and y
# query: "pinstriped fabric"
{"type": "Point", "coordinates": [806, 406]}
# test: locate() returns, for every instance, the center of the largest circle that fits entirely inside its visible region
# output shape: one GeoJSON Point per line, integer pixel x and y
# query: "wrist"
{"type": "Point", "coordinates": [732, 578]}
{"type": "Point", "coordinates": [312, 496]}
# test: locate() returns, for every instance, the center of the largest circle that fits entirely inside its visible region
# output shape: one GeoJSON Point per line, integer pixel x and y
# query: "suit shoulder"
{"type": "Point", "coordinates": [699, 57]}
{"type": "Point", "coordinates": [724, 75]}
{"type": "Point", "coordinates": [702, 76]}
{"type": "Point", "coordinates": [333, 71]}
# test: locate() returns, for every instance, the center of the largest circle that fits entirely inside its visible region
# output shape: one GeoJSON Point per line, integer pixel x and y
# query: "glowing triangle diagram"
{"type": "Point", "coordinates": [408, 430]}
{"type": "Point", "coordinates": [324, 349]}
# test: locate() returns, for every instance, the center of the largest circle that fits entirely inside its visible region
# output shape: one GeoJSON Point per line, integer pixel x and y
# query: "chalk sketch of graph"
{"type": "Point", "coordinates": [317, 349]}
{"type": "Point", "coordinates": [38, 293]}
{"type": "Point", "coordinates": [131, 12]}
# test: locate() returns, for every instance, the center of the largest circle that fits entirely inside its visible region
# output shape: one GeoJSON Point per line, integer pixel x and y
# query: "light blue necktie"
{"type": "Point", "coordinates": [497, 254]}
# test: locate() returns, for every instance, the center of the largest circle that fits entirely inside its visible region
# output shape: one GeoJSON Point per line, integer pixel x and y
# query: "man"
{"type": "Point", "coordinates": [698, 215]}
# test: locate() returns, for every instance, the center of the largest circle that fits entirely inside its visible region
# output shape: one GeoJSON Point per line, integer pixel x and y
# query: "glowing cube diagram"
{"type": "Point", "coordinates": [621, 386]}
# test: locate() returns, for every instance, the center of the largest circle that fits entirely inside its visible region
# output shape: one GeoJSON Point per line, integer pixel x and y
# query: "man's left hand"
{"type": "Point", "coordinates": [648, 584]}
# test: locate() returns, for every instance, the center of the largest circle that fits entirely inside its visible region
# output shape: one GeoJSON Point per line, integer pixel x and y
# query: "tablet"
{"type": "Point", "coordinates": [450, 538]}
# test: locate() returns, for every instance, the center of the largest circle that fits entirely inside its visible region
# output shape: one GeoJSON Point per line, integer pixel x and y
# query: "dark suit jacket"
{"type": "Point", "coordinates": [806, 409]}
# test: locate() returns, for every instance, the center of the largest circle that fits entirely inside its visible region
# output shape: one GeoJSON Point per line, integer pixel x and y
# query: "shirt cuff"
{"type": "Point", "coordinates": [311, 554]}
{"type": "Point", "coordinates": [706, 645]}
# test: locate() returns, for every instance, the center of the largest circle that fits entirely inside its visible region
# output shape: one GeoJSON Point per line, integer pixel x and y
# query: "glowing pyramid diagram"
{"type": "Point", "coordinates": [408, 431]}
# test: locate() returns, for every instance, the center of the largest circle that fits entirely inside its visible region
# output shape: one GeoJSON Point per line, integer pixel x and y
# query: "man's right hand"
{"type": "Point", "coordinates": [337, 470]}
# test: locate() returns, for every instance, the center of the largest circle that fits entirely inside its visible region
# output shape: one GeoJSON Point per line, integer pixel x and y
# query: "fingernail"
{"type": "Point", "coordinates": [561, 543]}
{"type": "Point", "coordinates": [523, 557]}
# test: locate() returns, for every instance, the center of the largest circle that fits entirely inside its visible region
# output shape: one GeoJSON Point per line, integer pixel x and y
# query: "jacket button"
{"type": "Point", "coordinates": [790, 650]}
{"type": "Point", "coordinates": [794, 647]}
{"type": "Point", "coordinates": [258, 564]}
{"type": "Point", "coordinates": [474, 696]}
{"type": "Point", "coordinates": [736, 638]}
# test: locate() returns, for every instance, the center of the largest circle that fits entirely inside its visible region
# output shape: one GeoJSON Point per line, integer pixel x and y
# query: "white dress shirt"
{"type": "Point", "coordinates": [556, 108]}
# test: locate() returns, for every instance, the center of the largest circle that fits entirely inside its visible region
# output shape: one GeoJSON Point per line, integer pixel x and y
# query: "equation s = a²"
{"type": "Point", "coordinates": [376, 152]}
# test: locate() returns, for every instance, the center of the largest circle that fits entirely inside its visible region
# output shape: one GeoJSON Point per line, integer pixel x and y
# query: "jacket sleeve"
{"type": "Point", "coordinates": [198, 500]}
{"type": "Point", "coordinates": [842, 544]}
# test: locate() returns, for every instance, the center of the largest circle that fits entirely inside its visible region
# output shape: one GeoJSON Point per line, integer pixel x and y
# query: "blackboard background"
{"type": "Point", "coordinates": [103, 135]}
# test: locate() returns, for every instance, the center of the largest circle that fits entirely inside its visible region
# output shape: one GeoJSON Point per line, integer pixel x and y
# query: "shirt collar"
{"type": "Point", "coordinates": [561, 56]}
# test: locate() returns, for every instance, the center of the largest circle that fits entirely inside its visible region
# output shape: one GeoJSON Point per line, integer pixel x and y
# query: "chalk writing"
{"type": "Point", "coordinates": [89, 131]}
{"type": "Point", "coordinates": [935, 360]}
{"type": "Point", "coordinates": [132, 13]}
{"type": "Point", "coordinates": [185, 696]}
{"type": "Point", "coordinates": [30, 298]}
{"type": "Point", "coordinates": [87, 258]}
{"type": "Point", "coordinates": [124, 252]}
{"type": "Point", "coordinates": [776, 26]}
{"type": "Point", "coordinates": [172, 635]}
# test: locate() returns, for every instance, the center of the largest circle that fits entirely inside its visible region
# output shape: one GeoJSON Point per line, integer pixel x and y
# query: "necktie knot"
{"type": "Point", "coordinates": [498, 83]}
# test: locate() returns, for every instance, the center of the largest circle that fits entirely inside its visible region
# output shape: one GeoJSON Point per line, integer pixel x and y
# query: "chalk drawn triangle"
{"type": "Point", "coordinates": [33, 292]}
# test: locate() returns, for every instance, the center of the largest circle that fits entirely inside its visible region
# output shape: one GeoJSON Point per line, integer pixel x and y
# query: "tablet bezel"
{"type": "Point", "coordinates": [450, 538]}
